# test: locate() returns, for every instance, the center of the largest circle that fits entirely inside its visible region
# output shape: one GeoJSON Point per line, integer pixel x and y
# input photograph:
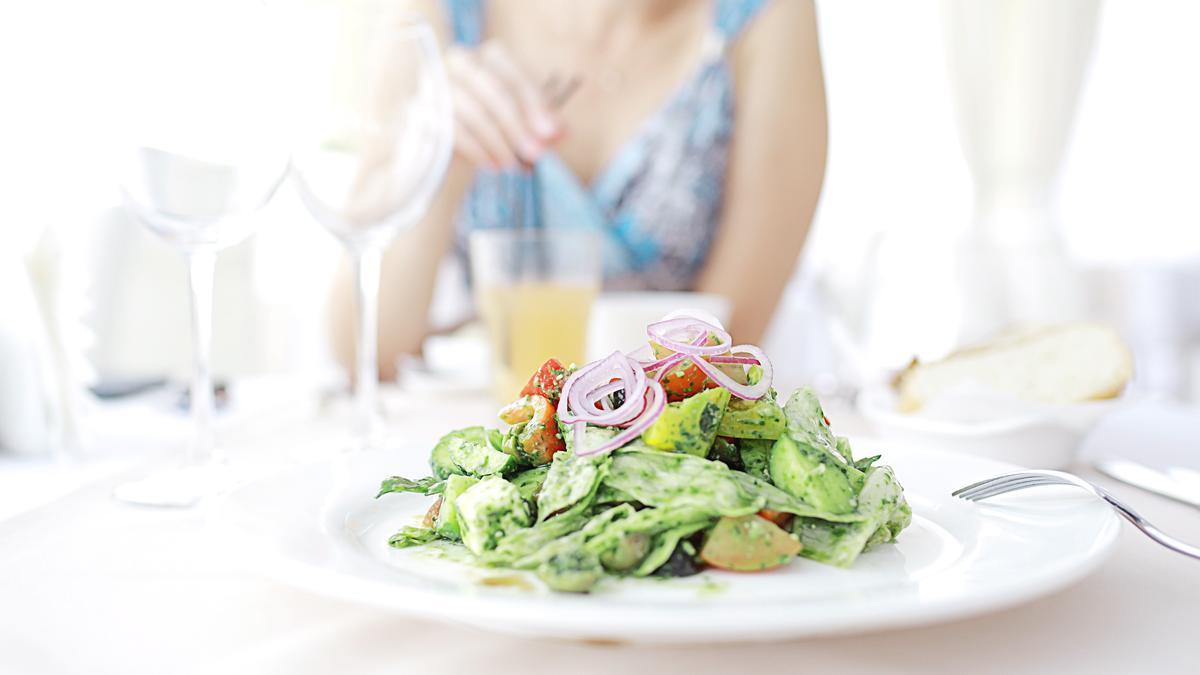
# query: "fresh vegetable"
{"type": "Point", "coordinates": [529, 482]}
{"type": "Point", "coordinates": [756, 457]}
{"type": "Point", "coordinates": [440, 460]}
{"type": "Point", "coordinates": [534, 438]}
{"type": "Point", "coordinates": [748, 543]}
{"type": "Point", "coordinates": [548, 381]}
{"type": "Point", "coordinates": [446, 523]}
{"type": "Point", "coordinates": [761, 419]}
{"type": "Point", "coordinates": [811, 474]}
{"type": "Point", "coordinates": [684, 380]}
{"type": "Point", "coordinates": [481, 459]}
{"type": "Point", "coordinates": [689, 426]}
{"type": "Point", "coordinates": [488, 511]}
{"type": "Point", "coordinates": [602, 473]}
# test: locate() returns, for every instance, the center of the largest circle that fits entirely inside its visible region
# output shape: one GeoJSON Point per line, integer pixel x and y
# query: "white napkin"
{"type": "Point", "coordinates": [43, 366]}
{"type": "Point", "coordinates": [1158, 433]}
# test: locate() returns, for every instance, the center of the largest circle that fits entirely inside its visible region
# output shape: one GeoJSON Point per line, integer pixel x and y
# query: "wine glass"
{"type": "Point", "coordinates": [374, 140]}
{"type": "Point", "coordinates": [199, 154]}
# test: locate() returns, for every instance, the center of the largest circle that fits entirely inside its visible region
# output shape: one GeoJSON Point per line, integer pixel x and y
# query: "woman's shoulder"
{"type": "Point", "coordinates": [775, 32]}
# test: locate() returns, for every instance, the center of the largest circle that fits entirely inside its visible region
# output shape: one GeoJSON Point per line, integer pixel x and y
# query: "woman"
{"type": "Point", "coordinates": [697, 136]}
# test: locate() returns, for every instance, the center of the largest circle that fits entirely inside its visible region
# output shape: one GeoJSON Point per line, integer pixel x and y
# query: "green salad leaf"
{"type": "Point", "coordinates": [642, 508]}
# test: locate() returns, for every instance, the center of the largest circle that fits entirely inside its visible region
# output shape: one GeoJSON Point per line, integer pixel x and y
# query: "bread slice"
{"type": "Point", "coordinates": [1066, 363]}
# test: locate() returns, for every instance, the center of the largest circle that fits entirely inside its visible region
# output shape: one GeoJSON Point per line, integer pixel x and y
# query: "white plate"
{"type": "Point", "coordinates": [318, 527]}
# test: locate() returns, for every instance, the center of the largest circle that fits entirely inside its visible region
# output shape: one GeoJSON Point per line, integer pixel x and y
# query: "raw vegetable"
{"type": "Point", "coordinates": [446, 523]}
{"type": "Point", "coordinates": [612, 480]}
{"type": "Point", "coordinates": [689, 426]}
{"type": "Point", "coordinates": [440, 460]}
{"type": "Point", "coordinates": [480, 459]}
{"type": "Point", "coordinates": [748, 543]}
{"type": "Point", "coordinates": [811, 474]}
{"type": "Point", "coordinates": [534, 438]}
{"type": "Point", "coordinates": [761, 419]}
{"type": "Point", "coordinates": [548, 381]}
{"type": "Point", "coordinates": [488, 511]}
{"type": "Point", "coordinates": [529, 482]}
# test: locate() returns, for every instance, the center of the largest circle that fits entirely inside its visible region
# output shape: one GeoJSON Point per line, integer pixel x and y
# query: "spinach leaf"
{"type": "Point", "coordinates": [428, 485]}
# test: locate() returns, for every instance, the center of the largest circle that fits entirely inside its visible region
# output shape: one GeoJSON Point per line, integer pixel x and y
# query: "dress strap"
{"type": "Point", "coordinates": [466, 20]}
{"type": "Point", "coordinates": [731, 16]}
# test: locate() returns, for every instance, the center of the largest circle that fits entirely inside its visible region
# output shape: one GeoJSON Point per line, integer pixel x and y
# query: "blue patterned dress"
{"type": "Point", "coordinates": [658, 202]}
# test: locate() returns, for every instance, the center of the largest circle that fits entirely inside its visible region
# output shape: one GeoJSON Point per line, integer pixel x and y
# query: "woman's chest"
{"type": "Point", "coordinates": [623, 86]}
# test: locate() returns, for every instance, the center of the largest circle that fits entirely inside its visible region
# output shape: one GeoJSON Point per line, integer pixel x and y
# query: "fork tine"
{"type": "Point", "coordinates": [984, 484]}
{"type": "Point", "coordinates": [1002, 487]}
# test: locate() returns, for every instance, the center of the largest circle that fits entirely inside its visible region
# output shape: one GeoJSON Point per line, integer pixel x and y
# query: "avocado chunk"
{"type": "Point", "coordinates": [881, 501]}
{"type": "Point", "coordinates": [689, 426]}
{"type": "Point", "coordinates": [488, 511]}
{"type": "Point", "coordinates": [812, 474]}
{"type": "Point", "coordinates": [756, 457]}
{"type": "Point", "coordinates": [761, 419]}
{"type": "Point", "coordinates": [446, 523]}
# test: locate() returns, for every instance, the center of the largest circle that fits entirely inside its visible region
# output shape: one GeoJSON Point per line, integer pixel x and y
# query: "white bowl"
{"type": "Point", "coordinates": [1035, 436]}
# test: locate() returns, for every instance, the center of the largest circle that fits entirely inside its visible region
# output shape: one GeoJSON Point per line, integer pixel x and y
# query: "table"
{"type": "Point", "coordinates": [88, 585]}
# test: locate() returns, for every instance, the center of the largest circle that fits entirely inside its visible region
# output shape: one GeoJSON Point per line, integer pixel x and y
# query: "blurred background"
{"type": "Point", "coordinates": [1057, 137]}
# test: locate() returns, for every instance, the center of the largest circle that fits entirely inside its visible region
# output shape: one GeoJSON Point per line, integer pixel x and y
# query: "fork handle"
{"type": "Point", "coordinates": [1149, 530]}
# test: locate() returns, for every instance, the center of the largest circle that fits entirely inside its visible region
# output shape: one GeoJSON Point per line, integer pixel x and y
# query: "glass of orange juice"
{"type": "Point", "coordinates": [534, 289]}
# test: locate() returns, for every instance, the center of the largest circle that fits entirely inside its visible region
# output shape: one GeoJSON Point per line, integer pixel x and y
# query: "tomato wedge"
{"type": "Point", "coordinates": [748, 544]}
{"type": "Point", "coordinates": [547, 381]}
{"type": "Point", "coordinates": [778, 517]}
{"type": "Point", "coordinates": [537, 439]}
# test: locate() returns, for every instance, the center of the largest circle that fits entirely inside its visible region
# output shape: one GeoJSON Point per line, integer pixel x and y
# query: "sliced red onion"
{"type": "Point", "coordinates": [682, 334]}
{"type": "Point", "coordinates": [653, 409]}
{"type": "Point", "coordinates": [736, 360]}
{"type": "Point", "coordinates": [696, 313]}
{"type": "Point", "coordinates": [746, 391]}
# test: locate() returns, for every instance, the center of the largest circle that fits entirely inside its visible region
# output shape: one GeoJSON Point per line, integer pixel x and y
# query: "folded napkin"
{"type": "Point", "coordinates": [42, 347]}
{"type": "Point", "coordinates": [1158, 433]}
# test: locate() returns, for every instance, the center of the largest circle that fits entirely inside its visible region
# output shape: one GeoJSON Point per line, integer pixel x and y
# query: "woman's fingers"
{"type": "Point", "coordinates": [501, 115]}
{"type": "Point", "coordinates": [503, 110]}
{"type": "Point", "coordinates": [537, 115]}
{"type": "Point", "coordinates": [478, 131]}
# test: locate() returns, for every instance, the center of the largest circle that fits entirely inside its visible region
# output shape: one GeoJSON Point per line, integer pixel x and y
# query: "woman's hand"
{"type": "Point", "coordinates": [501, 117]}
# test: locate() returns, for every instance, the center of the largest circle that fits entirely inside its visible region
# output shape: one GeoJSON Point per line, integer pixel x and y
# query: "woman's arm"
{"type": "Point", "coordinates": [776, 164]}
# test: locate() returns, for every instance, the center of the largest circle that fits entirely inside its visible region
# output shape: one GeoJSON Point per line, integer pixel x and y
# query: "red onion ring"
{"type": "Point", "coordinates": [599, 379]}
{"type": "Point", "coordinates": [653, 409]}
{"type": "Point", "coordinates": [745, 391]}
{"type": "Point", "coordinates": [662, 332]}
{"type": "Point", "coordinates": [644, 398]}
{"type": "Point", "coordinates": [736, 360]}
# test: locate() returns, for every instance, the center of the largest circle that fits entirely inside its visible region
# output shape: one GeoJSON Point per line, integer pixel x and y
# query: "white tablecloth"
{"type": "Point", "coordinates": [88, 585]}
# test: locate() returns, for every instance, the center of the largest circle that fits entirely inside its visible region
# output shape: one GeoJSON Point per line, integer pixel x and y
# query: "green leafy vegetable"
{"type": "Point", "coordinates": [426, 486]}
{"type": "Point", "coordinates": [529, 482]}
{"type": "Point", "coordinates": [410, 535]}
{"type": "Point", "coordinates": [446, 523]}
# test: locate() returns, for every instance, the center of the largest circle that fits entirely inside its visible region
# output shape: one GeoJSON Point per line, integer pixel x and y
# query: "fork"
{"type": "Point", "coordinates": [1011, 482]}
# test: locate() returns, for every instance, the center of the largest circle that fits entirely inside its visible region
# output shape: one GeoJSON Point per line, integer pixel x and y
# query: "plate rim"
{"type": "Point", "coordinates": [491, 611]}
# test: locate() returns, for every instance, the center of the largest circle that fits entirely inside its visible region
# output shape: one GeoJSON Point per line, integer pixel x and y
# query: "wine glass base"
{"type": "Point", "coordinates": [178, 487]}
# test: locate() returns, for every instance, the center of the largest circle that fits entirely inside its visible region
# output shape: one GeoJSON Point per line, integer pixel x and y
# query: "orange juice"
{"type": "Point", "coordinates": [529, 322]}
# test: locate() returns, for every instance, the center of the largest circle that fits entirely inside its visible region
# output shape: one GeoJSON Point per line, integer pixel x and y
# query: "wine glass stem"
{"type": "Point", "coordinates": [366, 380]}
{"type": "Point", "coordinates": [200, 282]}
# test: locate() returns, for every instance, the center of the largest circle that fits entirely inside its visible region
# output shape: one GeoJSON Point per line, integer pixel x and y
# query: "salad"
{"type": "Point", "coordinates": [663, 461]}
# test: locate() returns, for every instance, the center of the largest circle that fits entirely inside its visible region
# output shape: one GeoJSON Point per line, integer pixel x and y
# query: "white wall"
{"type": "Point", "coordinates": [1128, 191]}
